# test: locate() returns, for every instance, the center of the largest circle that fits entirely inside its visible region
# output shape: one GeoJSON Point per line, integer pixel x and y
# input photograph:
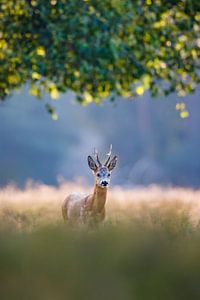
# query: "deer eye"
{"type": "Point", "coordinates": [108, 174]}
{"type": "Point", "coordinates": [98, 175]}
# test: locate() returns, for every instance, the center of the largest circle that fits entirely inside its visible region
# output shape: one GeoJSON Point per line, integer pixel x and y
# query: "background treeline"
{"type": "Point", "coordinates": [153, 143]}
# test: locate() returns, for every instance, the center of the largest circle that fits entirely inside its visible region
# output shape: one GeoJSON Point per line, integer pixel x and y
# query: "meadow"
{"type": "Point", "coordinates": [147, 248]}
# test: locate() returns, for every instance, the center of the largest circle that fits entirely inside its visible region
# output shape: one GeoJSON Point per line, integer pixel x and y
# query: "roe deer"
{"type": "Point", "coordinates": [83, 208]}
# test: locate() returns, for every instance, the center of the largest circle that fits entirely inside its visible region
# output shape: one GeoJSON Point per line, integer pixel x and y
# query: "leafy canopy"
{"type": "Point", "coordinates": [99, 48]}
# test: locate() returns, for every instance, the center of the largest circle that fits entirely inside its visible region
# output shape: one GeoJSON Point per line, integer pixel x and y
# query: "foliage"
{"type": "Point", "coordinates": [99, 48]}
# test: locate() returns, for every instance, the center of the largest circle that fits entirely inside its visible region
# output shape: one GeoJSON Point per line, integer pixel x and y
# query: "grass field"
{"type": "Point", "coordinates": [148, 247]}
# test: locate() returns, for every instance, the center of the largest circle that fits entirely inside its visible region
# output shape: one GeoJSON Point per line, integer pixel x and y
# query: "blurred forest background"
{"type": "Point", "coordinates": [128, 51]}
{"type": "Point", "coordinates": [153, 143]}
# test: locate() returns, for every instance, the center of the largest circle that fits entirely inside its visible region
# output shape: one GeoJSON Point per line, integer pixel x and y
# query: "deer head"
{"type": "Point", "coordinates": [101, 171]}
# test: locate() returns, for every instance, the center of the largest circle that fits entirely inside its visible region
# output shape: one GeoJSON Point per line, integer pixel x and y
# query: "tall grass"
{"type": "Point", "coordinates": [148, 247]}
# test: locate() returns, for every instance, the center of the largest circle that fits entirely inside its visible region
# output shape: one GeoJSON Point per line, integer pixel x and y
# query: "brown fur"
{"type": "Point", "coordinates": [80, 208]}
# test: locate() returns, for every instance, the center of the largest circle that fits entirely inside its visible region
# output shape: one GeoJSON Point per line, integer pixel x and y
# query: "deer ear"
{"type": "Point", "coordinates": [112, 163]}
{"type": "Point", "coordinates": [92, 164]}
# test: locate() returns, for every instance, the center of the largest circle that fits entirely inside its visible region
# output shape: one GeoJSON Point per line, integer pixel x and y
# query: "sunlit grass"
{"type": "Point", "coordinates": [38, 204]}
{"type": "Point", "coordinates": [148, 247]}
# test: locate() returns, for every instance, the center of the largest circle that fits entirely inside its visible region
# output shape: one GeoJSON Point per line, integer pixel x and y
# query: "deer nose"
{"type": "Point", "coordinates": [104, 183]}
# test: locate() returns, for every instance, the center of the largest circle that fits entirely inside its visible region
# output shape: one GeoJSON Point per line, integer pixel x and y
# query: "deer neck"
{"type": "Point", "coordinates": [99, 199]}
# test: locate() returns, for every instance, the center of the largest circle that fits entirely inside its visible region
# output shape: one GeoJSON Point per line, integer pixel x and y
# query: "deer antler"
{"type": "Point", "coordinates": [97, 157]}
{"type": "Point", "coordinates": [109, 155]}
